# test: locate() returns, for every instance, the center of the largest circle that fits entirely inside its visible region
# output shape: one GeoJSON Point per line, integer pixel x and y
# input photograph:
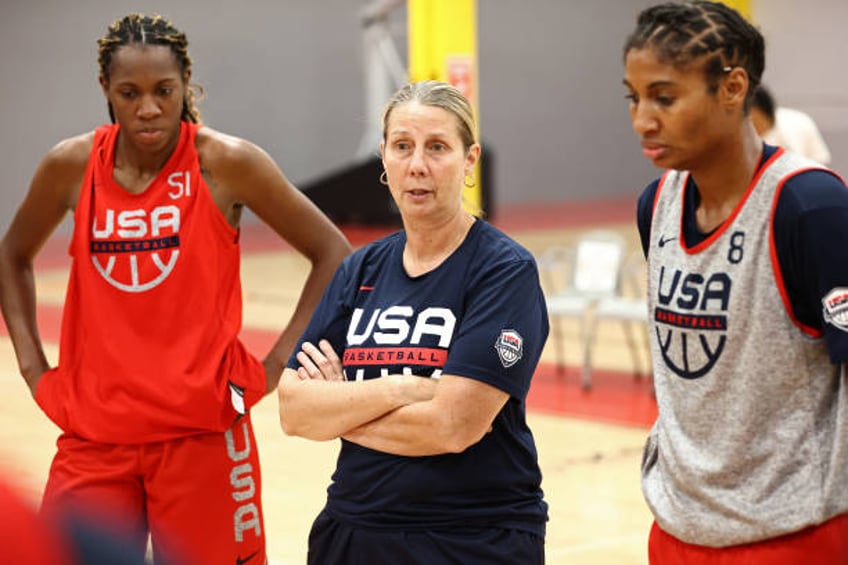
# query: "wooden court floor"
{"type": "Point", "coordinates": [590, 468]}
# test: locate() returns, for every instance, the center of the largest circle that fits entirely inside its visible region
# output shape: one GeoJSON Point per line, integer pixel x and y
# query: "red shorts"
{"type": "Point", "coordinates": [198, 496]}
{"type": "Point", "coordinates": [825, 543]}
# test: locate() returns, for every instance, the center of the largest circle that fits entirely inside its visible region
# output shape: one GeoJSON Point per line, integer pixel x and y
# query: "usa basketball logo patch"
{"type": "Point", "coordinates": [510, 347]}
{"type": "Point", "coordinates": [835, 308]}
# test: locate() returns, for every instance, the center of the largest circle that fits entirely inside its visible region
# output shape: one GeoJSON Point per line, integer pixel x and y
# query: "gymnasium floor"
{"type": "Point", "coordinates": [589, 442]}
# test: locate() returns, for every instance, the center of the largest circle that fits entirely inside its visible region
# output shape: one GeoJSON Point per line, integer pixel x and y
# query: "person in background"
{"type": "Point", "coordinates": [747, 461]}
{"type": "Point", "coordinates": [153, 387]}
{"type": "Point", "coordinates": [787, 127]}
{"type": "Point", "coordinates": [419, 357]}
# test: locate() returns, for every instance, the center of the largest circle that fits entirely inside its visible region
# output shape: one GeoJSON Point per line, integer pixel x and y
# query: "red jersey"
{"type": "Point", "coordinates": [149, 344]}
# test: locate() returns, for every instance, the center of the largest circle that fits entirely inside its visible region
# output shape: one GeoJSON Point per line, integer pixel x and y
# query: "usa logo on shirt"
{"type": "Point", "coordinates": [134, 250]}
{"type": "Point", "coordinates": [510, 347]}
{"type": "Point", "coordinates": [691, 320]}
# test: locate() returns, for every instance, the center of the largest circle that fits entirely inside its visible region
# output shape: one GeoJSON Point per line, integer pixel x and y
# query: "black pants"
{"type": "Point", "coordinates": [336, 543]}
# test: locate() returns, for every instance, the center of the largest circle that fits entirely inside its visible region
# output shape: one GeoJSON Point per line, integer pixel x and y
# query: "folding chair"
{"type": "Point", "coordinates": [576, 278]}
{"type": "Point", "coordinates": [630, 308]}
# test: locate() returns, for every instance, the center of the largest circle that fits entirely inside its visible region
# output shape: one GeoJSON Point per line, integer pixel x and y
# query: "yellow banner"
{"type": "Point", "coordinates": [443, 46]}
{"type": "Point", "coordinates": [741, 6]}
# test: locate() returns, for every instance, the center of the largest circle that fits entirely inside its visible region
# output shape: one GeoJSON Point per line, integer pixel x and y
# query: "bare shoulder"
{"type": "Point", "coordinates": [217, 149]}
{"type": "Point", "coordinates": [71, 153]}
{"type": "Point", "coordinates": [54, 190]}
{"type": "Point", "coordinates": [234, 168]}
{"type": "Point", "coordinates": [62, 169]}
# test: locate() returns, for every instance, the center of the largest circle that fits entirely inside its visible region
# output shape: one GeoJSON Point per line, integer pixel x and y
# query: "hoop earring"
{"type": "Point", "coordinates": [473, 182]}
{"type": "Point", "coordinates": [384, 179]}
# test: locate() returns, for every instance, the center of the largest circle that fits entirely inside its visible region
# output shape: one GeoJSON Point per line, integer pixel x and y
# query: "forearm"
{"type": "Point", "coordinates": [18, 303]}
{"type": "Point", "coordinates": [461, 412]}
{"type": "Point", "coordinates": [322, 410]}
{"type": "Point", "coordinates": [405, 431]}
{"type": "Point", "coordinates": [320, 274]}
{"type": "Point", "coordinates": [275, 361]}
{"type": "Point", "coordinates": [417, 430]}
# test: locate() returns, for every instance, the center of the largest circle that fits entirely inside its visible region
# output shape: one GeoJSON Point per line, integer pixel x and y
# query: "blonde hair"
{"type": "Point", "coordinates": [439, 94]}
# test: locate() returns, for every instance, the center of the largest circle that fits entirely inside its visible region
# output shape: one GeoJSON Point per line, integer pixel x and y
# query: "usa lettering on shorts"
{"type": "Point", "coordinates": [246, 515]}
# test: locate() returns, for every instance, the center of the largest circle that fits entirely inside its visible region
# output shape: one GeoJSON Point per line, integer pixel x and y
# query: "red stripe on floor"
{"type": "Point", "coordinates": [567, 214]}
{"type": "Point", "coordinates": [615, 397]}
{"type": "Point", "coordinates": [511, 218]}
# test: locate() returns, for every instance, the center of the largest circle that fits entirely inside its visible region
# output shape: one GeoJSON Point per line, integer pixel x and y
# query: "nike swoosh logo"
{"type": "Point", "coordinates": [664, 240]}
{"type": "Point", "coordinates": [240, 561]}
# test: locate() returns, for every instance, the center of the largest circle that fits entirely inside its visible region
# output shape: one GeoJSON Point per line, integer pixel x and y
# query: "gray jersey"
{"type": "Point", "coordinates": [752, 436]}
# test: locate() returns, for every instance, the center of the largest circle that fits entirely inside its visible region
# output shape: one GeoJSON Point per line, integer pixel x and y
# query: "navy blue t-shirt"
{"type": "Point", "coordinates": [480, 314]}
{"type": "Point", "coordinates": [810, 232]}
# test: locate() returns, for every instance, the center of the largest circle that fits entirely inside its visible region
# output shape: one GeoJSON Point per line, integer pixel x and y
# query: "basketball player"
{"type": "Point", "coordinates": [748, 294]}
{"type": "Point", "coordinates": [428, 473]}
{"type": "Point", "coordinates": [153, 387]}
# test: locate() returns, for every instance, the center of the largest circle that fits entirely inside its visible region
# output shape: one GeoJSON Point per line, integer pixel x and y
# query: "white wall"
{"type": "Point", "coordinates": [807, 64]}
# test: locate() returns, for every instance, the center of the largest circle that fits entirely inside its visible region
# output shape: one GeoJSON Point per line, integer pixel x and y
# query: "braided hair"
{"type": "Point", "coordinates": [680, 33]}
{"type": "Point", "coordinates": [149, 30]}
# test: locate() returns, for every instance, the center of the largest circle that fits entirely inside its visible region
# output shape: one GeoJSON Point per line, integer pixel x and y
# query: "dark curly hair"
{"type": "Point", "coordinates": [149, 30]}
{"type": "Point", "coordinates": [681, 33]}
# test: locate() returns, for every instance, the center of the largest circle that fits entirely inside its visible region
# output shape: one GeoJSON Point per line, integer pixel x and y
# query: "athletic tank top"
{"type": "Point", "coordinates": [745, 447]}
{"type": "Point", "coordinates": [149, 345]}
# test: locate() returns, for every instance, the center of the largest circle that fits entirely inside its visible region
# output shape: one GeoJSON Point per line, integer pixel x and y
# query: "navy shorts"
{"type": "Point", "coordinates": [336, 543]}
